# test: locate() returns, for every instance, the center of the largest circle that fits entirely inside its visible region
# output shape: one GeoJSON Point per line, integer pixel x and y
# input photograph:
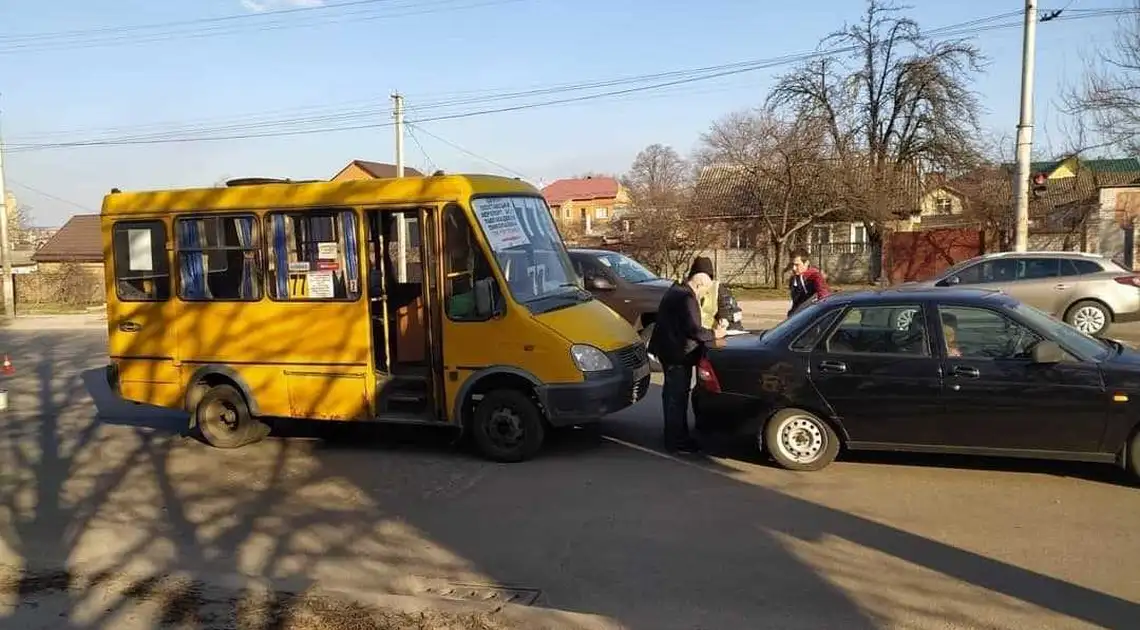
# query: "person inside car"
{"type": "Point", "coordinates": [950, 334]}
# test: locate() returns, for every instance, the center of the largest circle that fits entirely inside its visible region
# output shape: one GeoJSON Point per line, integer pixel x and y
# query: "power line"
{"type": "Point", "coordinates": [50, 196]}
{"type": "Point", "coordinates": [209, 27]}
{"type": "Point", "coordinates": [467, 151]}
{"type": "Point", "coordinates": [427, 158]}
{"type": "Point", "coordinates": [289, 127]}
{"type": "Point", "coordinates": [370, 113]}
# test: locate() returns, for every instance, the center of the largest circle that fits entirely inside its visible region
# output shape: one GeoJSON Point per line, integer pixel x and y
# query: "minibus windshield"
{"type": "Point", "coordinates": [529, 251]}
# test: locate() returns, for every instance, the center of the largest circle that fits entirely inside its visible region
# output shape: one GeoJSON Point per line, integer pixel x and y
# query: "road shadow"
{"type": "Point", "coordinates": [588, 526]}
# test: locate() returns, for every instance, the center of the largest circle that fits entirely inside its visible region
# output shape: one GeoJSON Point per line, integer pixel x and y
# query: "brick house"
{"type": "Point", "coordinates": [1086, 205]}
{"type": "Point", "coordinates": [70, 262]}
{"type": "Point", "coordinates": [586, 204]}
{"type": "Point", "coordinates": [363, 169]}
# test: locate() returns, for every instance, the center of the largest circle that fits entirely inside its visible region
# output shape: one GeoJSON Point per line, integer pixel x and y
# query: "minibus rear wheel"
{"type": "Point", "coordinates": [224, 419]}
{"type": "Point", "coordinates": [507, 426]}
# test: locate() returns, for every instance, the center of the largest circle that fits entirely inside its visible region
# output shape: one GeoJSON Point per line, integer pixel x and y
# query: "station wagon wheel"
{"type": "Point", "coordinates": [800, 440]}
{"type": "Point", "coordinates": [1089, 317]}
{"type": "Point", "coordinates": [904, 319]}
{"type": "Point", "coordinates": [508, 426]}
{"type": "Point", "coordinates": [224, 420]}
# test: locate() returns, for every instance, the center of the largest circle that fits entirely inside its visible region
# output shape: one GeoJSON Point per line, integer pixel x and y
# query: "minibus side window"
{"type": "Point", "coordinates": [218, 258]}
{"type": "Point", "coordinates": [142, 272]}
{"type": "Point", "coordinates": [465, 265]}
{"type": "Point", "coordinates": [314, 255]}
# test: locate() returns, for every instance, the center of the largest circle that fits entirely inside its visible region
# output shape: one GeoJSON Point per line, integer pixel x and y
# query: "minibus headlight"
{"type": "Point", "coordinates": [590, 359]}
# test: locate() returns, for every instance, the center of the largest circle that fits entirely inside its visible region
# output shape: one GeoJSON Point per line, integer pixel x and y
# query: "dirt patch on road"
{"type": "Point", "coordinates": [62, 600]}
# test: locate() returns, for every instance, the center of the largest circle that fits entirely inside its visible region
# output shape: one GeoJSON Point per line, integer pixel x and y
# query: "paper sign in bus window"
{"type": "Point", "coordinates": [139, 247]}
{"type": "Point", "coordinates": [501, 223]}
{"type": "Point", "coordinates": [327, 251]}
{"type": "Point", "coordinates": [321, 285]}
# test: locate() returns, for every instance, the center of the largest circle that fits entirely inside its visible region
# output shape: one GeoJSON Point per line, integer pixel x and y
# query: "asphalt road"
{"type": "Point", "coordinates": [94, 493]}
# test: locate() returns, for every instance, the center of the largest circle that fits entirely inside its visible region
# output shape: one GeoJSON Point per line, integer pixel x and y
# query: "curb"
{"type": "Point", "coordinates": [126, 582]}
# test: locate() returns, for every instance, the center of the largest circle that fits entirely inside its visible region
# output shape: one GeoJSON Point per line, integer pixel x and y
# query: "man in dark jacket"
{"type": "Point", "coordinates": [808, 284]}
{"type": "Point", "coordinates": [678, 341]}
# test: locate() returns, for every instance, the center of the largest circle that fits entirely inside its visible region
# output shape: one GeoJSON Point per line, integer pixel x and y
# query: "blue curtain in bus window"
{"type": "Point", "coordinates": [245, 239]}
{"type": "Point", "coordinates": [348, 220]}
{"type": "Point", "coordinates": [281, 256]}
{"type": "Point", "coordinates": [191, 262]}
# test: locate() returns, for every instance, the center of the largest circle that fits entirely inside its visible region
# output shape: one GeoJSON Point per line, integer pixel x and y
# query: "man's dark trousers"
{"type": "Point", "coordinates": [675, 405]}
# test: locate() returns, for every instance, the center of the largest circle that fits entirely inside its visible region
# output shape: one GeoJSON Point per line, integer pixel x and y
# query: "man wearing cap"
{"type": "Point", "coordinates": [678, 341]}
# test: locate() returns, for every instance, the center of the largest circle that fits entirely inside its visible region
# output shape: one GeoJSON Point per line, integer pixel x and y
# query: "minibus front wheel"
{"type": "Point", "coordinates": [224, 419]}
{"type": "Point", "coordinates": [507, 426]}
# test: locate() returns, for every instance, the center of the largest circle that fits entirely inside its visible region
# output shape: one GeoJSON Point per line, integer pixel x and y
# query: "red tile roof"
{"type": "Point", "coordinates": [79, 240]}
{"type": "Point", "coordinates": [583, 189]}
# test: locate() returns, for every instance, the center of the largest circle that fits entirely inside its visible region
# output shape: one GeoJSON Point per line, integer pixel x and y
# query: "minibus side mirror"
{"type": "Point", "coordinates": [600, 283]}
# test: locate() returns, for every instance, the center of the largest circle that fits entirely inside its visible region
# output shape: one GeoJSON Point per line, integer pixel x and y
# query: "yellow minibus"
{"type": "Point", "coordinates": [444, 300]}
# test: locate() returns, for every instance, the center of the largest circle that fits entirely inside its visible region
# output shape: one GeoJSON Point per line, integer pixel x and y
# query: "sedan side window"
{"type": "Point", "coordinates": [889, 330]}
{"type": "Point", "coordinates": [978, 333]}
{"type": "Point", "coordinates": [810, 337]}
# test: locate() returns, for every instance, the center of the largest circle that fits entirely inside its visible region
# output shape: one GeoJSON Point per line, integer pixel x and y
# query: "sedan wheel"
{"type": "Point", "coordinates": [800, 440]}
{"type": "Point", "coordinates": [1089, 317]}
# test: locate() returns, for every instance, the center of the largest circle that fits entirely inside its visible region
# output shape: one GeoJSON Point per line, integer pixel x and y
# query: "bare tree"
{"type": "Point", "coordinates": [1109, 98]}
{"type": "Point", "coordinates": [892, 103]}
{"type": "Point", "coordinates": [659, 183]}
{"type": "Point", "coordinates": [775, 169]}
{"type": "Point", "coordinates": [19, 222]}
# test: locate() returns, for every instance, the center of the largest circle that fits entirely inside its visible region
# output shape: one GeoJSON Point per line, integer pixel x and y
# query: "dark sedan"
{"type": "Point", "coordinates": [973, 372]}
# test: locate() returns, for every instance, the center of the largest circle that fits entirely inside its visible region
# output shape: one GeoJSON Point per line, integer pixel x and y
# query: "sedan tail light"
{"type": "Point", "coordinates": [706, 376]}
{"type": "Point", "coordinates": [1132, 281]}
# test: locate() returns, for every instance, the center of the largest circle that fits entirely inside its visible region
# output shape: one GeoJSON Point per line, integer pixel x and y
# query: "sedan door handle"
{"type": "Point", "coordinates": [1061, 287]}
{"type": "Point", "coordinates": [966, 371]}
{"type": "Point", "coordinates": [835, 367]}
{"type": "Point", "coordinates": [129, 327]}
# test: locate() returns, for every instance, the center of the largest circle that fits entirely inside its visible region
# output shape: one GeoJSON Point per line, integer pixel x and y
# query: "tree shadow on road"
{"type": "Point", "coordinates": [88, 498]}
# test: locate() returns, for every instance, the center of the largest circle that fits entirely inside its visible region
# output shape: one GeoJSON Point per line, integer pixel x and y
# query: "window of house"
{"type": "Point", "coordinates": [465, 265]}
{"type": "Point", "coordinates": [737, 238]}
{"type": "Point", "coordinates": [217, 258]}
{"type": "Point", "coordinates": [314, 255]}
{"type": "Point", "coordinates": [602, 213]}
{"type": "Point", "coordinates": [943, 205]}
{"type": "Point", "coordinates": [142, 271]}
{"type": "Point", "coordinates": [859, 233]}
{"type": "Point", "coordinates": [881, 330]}
{"type": "Point", "coordinates": [821, 235]}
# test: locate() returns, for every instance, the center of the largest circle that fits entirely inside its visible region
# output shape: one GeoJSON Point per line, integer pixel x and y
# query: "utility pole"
{"type": "Point", "coordinates": [1025, 129]}
{"type": "Point", "coordinates": [5, 246]}
{"type": "Point", "coordinates": [401, 218]}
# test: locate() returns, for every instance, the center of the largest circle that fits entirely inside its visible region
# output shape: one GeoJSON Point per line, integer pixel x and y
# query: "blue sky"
{"type": "Point", "coordinates": [344, 61]}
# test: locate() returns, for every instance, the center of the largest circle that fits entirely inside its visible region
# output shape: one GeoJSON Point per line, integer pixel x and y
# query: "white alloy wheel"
{"type": "Point", "coordinates": [1089, 319]}
{"type": "Point", "coordinates": [902, 322]}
